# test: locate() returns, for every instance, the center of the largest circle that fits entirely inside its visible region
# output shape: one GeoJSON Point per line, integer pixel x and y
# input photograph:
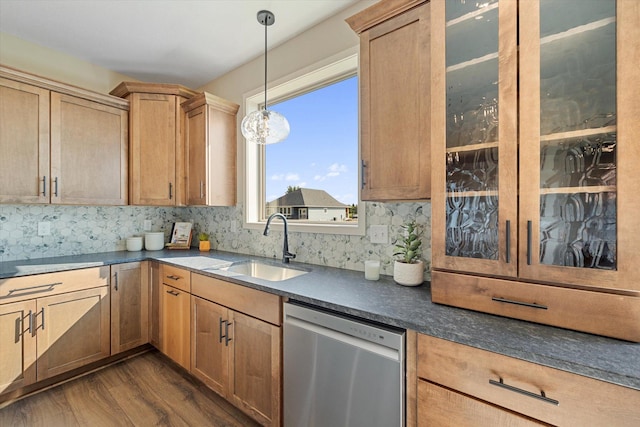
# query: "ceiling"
{"type": "Point", "coordinates": [189, 42]}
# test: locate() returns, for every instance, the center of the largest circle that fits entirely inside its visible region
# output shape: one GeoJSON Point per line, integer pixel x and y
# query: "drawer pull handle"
{"type": "Point", "coordinates": [508, 241]}
{"type": "Point", "coordinates": [48, 286]}
{"type": "Point", "coordinates": [44, 185]}
{"type": "Point", "coordinates": [226, 333]}
{"type": "Point", "coordinates": [529, 225]}
{"type": "Point", "coordinates": [220, 329]}
{"type": "Point", "coordinates": [172, 277]}
{"type": "Point", "coordinates": [525, 304]}
{"type": "Point", "coordinates": [55, 186]}
{"type": "Point", "coordinates": [31, 322]}
{"type": "Point", "coordinates": [540, 396]}
{"type": "Point", "coordinates": [174, 293]}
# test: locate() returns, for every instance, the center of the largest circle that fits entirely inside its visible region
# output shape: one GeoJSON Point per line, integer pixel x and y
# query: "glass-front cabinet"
{"type": "Point", "coordinates": [535, 112]}
{"type": "Point", "coordinates": [475, 174]}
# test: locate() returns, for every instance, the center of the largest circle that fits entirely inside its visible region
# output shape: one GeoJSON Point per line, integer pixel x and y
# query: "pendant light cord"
{"type": "Point", "coordinates": [265, 63]}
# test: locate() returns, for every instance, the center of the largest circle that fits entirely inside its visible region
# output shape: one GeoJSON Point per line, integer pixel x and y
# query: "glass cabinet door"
{"type": "Point", "coordinates": [475, 177]}
{"type": "Point", "coordinates": [570, 146]}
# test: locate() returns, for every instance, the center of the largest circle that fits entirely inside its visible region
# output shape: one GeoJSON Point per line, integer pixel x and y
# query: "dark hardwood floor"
{"type": "Point", "coordinates": [146, 390]}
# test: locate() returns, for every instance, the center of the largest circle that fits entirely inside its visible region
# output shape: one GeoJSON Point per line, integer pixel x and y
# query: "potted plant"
{"type": "Point", "coordinates": [205, 244]}
{"type": "Point", "coordinates": [408, 268]}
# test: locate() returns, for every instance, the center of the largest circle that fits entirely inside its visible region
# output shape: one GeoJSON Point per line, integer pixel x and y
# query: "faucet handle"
{"type": "Point", "coordinates": [286, 256]}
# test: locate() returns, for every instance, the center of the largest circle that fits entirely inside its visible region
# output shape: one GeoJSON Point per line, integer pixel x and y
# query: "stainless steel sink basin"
{"type": "Point", "coordinates": [265, 271]}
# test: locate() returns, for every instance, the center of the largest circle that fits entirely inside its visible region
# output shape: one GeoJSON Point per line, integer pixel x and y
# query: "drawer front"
{"type": "Point", "coordinates": [441, 407]}
{"type": "Point", "coordinates": [616, 316]}
{"type": "Point", "coordinates": [43, 285]}
{"type": "Point", "coordinates": [176, 277]}
{"type": "Point", "coordinates": [255, 303]}
{"type": "Point", "coordinates": [547, 394]}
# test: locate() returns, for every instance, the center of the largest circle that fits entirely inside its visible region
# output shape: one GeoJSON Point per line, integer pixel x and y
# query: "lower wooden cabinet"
{"type": "Point", "coordinates": [175, 325]}
{"type": "Point", "coordinates": [43, 336]}
{"type": "Point", "coordinates": [498, 390]}
{"type": "Point", "coordinates": [441, 407]}
{"type": "Point", "coordinates": [73, 330]}
{"type": "Point", "coordinates": [129, 306]}
{"type": "Point", "coordinates": [238, 354]}
{"type": "Point", "coordinates": [175, 314]}
{"type": "Point", "coordinates": [17, 345]}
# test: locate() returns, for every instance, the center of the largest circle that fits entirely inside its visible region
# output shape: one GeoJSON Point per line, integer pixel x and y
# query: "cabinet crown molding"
{"type": "Point", "coordinates": [212, 100]}
{"type": "Point", "coordinates": [126, 88]}
{"type": "Point", "coordinates": [380, 12]}
{"type": "Point", "coordinates": [64, 88]}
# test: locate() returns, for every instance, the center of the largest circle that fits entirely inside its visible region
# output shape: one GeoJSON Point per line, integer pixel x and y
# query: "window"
{"type": "Point", "coordinates": [312, 177]}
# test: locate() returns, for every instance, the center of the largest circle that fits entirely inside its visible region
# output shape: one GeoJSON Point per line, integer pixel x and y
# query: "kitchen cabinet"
{"type": "Point", "coordinates": [175, 315]}
{"type": "Point", "coordinates": [61, 144]}
{"type": "Point", "coordinates": [25, 142]}
{"type": "Point", "coordinates": [155, 305]}
{"type": "Point", "coordinates": [236, 345]}
{"type": "Point", "coordinates": [129, 306]}
{"type": "Point", "coordinates": [466, 386]}
{"type": "Point", "coordinates": [156, 142]}
{"type": "Point", "coordinates": [210, 148]}
{"type": "Point", "coordinates": [394, 100]}
{"type": "Point", "coordinates": [52, 323]}
{"type": "Point", "coordinates": [533, 169]}
{"type": "Point", "coordinates": [17, 345]}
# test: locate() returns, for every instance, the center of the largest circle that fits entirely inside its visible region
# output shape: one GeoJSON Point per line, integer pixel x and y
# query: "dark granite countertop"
{"type": "Point", "coordinates": [384, 301]}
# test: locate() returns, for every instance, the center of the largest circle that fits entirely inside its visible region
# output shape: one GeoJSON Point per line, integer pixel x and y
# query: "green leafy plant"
{"type": "Point", "coordinates": [407, 245]}
{"type": "Point", "coordinates": [203, 237]}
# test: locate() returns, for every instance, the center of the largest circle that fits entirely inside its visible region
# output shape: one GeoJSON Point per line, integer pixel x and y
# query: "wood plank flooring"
{"type": "Point", "coordinates": [146, 390]}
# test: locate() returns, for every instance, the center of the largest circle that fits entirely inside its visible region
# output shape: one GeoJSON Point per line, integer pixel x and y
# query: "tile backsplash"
{"type": "Point", "coordinates": [90, 229]}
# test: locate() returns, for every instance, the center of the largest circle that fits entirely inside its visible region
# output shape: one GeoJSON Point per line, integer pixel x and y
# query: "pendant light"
{"type": "Point", "coordinates": [264, 126]}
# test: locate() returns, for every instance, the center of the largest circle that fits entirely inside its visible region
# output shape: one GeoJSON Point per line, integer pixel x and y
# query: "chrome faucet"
{"type": "Point", "coordinates": [286, 255]}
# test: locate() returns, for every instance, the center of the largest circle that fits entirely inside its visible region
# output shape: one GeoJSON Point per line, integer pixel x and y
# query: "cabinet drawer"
{"type": "Point", "coordinates": [42, 285]}
{"type": "Point", "coordinates": [547, 394]}
{"type": "Point", "coordinates": [176, 277]}
{"type": "Point", "coordinates": [441, 407]}
{"type": "Point", "coordinates": [261, 305]}
{"type": "Point", "coordinates": [616, 316]}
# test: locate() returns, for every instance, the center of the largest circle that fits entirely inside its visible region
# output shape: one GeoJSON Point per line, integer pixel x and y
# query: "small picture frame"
{"type": "Point", "coordinates": [181, 234]}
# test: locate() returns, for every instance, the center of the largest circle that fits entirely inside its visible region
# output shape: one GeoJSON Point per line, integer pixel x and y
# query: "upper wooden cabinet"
{"type": "Point", "coordinates": [394, 100]}
{"type": "Point", "coordinates": [156, 142]}
{"type": "Point", "coordinates": [534, 161]}
{"type": "Point", "coordinates": [210, 149]}
{"type": "Point", "coordinates": [60, 144]}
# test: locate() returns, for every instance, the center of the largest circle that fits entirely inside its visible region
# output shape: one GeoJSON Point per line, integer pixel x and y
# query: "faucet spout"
{"type": "Point", "coordinates": [286, 255]}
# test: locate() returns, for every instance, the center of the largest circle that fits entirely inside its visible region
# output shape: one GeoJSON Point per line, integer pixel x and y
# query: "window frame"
{"type": "Point", "coordinates": [332, 70]}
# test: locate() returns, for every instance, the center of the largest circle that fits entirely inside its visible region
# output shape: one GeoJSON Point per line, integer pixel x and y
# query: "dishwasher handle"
{"type": "Point", "coordinates": [352, 340]}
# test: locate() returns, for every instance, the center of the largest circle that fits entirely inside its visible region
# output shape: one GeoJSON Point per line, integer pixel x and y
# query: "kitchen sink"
{"type": "Point", "coordinates": [265, 271]}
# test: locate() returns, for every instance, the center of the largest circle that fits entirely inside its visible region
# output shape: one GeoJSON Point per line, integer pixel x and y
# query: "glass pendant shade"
{"type": "Point", "coordinates": [265, 127]}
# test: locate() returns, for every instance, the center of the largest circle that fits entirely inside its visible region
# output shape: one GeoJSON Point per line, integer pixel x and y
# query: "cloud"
{"type": "Point", "coordinates": [334, 170]}
{"type": "Point", "coordinates": [290, 176]}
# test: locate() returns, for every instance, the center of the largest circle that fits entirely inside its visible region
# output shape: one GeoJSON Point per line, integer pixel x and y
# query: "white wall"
{"type": "Point", "coordinates": [55, 65]}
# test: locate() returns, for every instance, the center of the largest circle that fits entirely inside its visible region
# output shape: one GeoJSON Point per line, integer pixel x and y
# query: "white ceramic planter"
{"type": "Point", "coordinates": [408, 274]}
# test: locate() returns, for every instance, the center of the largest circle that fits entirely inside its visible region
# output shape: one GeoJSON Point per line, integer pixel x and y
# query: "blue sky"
{"type": "Point", "coordinates": [321, 151]}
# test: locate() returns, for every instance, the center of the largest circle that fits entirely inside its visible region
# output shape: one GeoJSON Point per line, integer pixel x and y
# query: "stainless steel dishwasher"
{"type": "Point", "coordinates": [340, 371]}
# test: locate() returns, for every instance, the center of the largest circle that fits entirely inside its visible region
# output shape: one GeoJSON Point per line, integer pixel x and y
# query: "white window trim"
{"type": "Point", "coordinates": [320, 74]}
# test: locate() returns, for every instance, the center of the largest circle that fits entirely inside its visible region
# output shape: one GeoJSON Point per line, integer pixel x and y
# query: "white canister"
{"type": "Point", "coordinates": [372, 270]}
{"type": "Point", "coordinates": [154, 241]}
{"type": "Point", "coordinates": [134, 243]}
